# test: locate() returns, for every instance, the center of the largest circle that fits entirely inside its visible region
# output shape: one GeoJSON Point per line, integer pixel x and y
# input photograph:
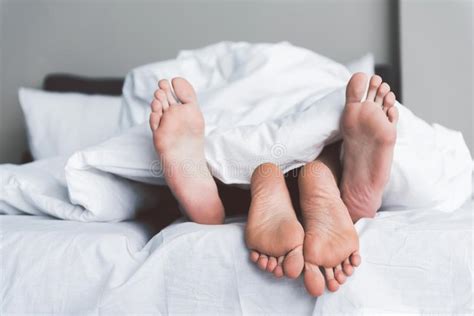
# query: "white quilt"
{"type": "Point", "coordinates": [261, 102]}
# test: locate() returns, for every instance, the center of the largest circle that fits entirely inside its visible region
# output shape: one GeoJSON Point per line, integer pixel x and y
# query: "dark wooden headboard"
{"type": "Point", "coordinates": [73, 83]}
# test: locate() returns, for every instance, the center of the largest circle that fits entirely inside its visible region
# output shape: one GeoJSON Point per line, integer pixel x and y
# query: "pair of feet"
{"type": "Point", "coordinates": [326, 246]}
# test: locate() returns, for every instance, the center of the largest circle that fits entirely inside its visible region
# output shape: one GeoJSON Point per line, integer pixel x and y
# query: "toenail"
{"type": "Point", "coordinates": [158, 94]}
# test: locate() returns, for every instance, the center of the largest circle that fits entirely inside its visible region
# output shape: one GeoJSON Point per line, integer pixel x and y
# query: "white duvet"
{"type": "Point", "coordinates": [261, 102]}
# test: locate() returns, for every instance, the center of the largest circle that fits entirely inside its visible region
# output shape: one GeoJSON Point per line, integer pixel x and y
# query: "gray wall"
{"type": "Point", "coordinates": [107, 38]}
{"type": "Point", "coordinates": [437, 62]}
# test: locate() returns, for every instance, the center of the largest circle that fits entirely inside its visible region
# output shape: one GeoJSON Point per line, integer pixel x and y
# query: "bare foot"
{"type": "Point", "coordinates": [273, 232]}
{"type": "Point", "coordinates": [369, 133]}
{"type": "Point", "coordinates": [178, 136]}
{"type": "Point", "coordinates": [331, 243]}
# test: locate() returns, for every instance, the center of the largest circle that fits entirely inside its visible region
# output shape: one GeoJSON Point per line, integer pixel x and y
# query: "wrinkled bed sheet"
{"type": "Point", "coordinates": [414, 261]}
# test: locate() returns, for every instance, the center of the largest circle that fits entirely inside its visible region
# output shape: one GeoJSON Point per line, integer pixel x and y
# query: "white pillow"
{"type": "Point", "coordinates": [364, 64]}
{"type": "Point", "coordinates": [58, 124]}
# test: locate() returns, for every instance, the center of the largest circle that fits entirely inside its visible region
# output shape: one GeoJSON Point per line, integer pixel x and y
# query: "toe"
{"type": "Point", "coordinates": [184, 91]}
{"type": "Point", "coordinates": [339, 274]}
{"type": "Point", "coordinates": [388, 101]}
{"type": "Point", "coordinates": [272, 264]}
{"type": "Point", "coordinates": [356, 87]}
{"type": "Point", "coordinates": [156, 106]}
{"type": "Point", "coordinates": [278, 272]}
{"type": "Point", "coordinates": [293, 263]}
{"type": "Point", "coordinates": [165, 85]}
{"type": "Point", "coordinates": [313, 279]}
{"type": "Point", "coordinates": [382, 91]}
{"type": "Point", "coordinates": [254, 256]}
{"type": "Point", "coordinates": [160, 95]}
{"type": "Point", "coordinates": [331, 282]}
{"type": "Point", "coordinates": [347, 267]}
{"type": "Point", "coordinates": [355, 259]}
{"type": "Point", "coordinates": [155, 120]}
{"type": "Point", "coordinates": [392, 114]}
{"type": "Point", "coordinates": [374, 85]}
{"type": "Point", "coordinates": [262, 262]}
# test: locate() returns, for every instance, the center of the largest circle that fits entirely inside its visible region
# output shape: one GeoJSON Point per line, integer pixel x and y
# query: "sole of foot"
{"type": "Point", "coordinates": [369, 133]}
{"type": "Point", "coordinates": [331, 242]}
{"type": "Point", "coordinates": [273, 233]}
{"type": "Point", "coordinates": [177, 125]}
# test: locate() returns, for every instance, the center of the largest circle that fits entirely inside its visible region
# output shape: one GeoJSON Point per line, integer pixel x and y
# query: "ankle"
{"type": "Point", "coordinates": [360, 207]}
{"type": "Point", "coordinates": [209, 214]}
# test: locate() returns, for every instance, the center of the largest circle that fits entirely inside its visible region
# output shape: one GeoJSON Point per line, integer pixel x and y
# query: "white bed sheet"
{"type": "Point", "coordinates": [414, 261]}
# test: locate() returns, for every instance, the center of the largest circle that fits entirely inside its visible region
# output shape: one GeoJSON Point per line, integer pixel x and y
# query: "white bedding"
{"type": "Point", "coordinates": [414, 261]}
{"type": "Point", "coordinates": [417, 255]}
{"type": "Point", "coordinates": [262, 103]}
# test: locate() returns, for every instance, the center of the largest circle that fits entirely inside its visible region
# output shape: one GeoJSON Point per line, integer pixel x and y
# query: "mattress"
{"type": "Point", "coordinates": [414, 261]}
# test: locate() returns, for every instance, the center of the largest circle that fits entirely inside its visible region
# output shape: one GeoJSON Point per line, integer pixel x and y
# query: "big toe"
{"type": "Point", "coordinates": [356, 87]}
{"type": "Point", "coordinates": [294, 263]}
{"type": "Point", "coordinates": [184, 90]}
{"type": "Point", "coordinates": [313, 280]}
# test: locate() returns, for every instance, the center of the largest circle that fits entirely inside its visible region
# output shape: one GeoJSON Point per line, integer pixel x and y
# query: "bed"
{"type": "Point", "coordinates": [414, 261]}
